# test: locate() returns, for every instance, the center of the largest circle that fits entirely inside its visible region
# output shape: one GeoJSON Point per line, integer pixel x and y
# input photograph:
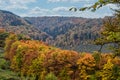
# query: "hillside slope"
{"type": "Point", "coordinates": [74, 33]}
{"type": "Point", "coordinates": [16, 24]}
{"type": "Point", "coordinates": [69, 32]}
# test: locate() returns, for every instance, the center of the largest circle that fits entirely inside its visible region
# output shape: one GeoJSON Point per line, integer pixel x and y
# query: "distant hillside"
{"type": "Point", "coordinates": [69, 32]}
{"type": "Point", "coordinates": [16, 24]}
{"type": "Point", "coordinates": [8, 18]}
{"type": "Point", "coordinates": [65, 32]}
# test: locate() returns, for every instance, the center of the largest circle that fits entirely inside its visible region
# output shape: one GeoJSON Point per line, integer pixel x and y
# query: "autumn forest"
{"type": "Point", "coordinates": [60, 48]}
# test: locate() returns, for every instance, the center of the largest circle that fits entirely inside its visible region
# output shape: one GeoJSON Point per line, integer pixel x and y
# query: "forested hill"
{"type": "Point", "coordinates": [60, 25]}
{"type": "Point", "coordinates": [69, 32]}
{"type": "Point", "coordinates": [16, 24]}
{"type": "Point", "coordinates": [65, 32]}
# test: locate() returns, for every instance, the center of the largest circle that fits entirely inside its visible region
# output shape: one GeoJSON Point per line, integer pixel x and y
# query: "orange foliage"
{"type": "Point", "coordinates": [36, 58]}
{"type": "Point", "coordinates": [2, 30]}
{"type": "Point", "coordinates": [86, 66]}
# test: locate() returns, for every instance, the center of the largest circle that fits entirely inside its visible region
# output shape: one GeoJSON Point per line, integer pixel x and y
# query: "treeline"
{"type": "Point", "coordinates": [38, 61]}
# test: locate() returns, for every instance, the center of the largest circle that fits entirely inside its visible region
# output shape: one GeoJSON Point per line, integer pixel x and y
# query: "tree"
{"type": "Point", "coordinates": [97, 5]}
{"type": "Point", "coordinates": [8, 42]}
{"type": "Point", "coordinates": [110, 34]}
{"type": "Point", "coordinates": [86, 66]}
{"type": "Point", "coordinates": [3, 36]}
{"type": "Point", "coordinates": [111, 26]}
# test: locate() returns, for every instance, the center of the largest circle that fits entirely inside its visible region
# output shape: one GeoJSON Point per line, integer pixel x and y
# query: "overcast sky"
{"type": "Point", "coordinates": [29, 8]}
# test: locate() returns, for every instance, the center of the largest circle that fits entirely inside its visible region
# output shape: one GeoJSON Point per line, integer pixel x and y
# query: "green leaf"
{"type": "Point", "coordinates": [73, 9]}
{"type": "Point", "coordinates": [82, 9]}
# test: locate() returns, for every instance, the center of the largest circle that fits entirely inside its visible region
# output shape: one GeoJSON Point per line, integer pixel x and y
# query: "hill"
{"type": "Point", "coordinates": [73, 33]}
{"type": "Point", "coordinates": [69, 32]}
{"type": "Point", "coordinates": [13, 23]}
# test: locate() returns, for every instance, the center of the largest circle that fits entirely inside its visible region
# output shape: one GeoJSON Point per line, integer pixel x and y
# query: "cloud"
{"type": "Point", "coordinates": [21, 1]}
{"type": "Point", "coordinates": [38, 11]}
{"type": "Point", "coordinates": [89, 14]}
{"type": "Point", "coordinates": [112, 6]}
{"type": "Point", "coordinates": [87, 5]}
{"type": "Point", "coordinates": [24, 8]}
{"type": "Point", "coordinates": [61, 9]}
{"type": "Point", "coordinates": [15, 4]}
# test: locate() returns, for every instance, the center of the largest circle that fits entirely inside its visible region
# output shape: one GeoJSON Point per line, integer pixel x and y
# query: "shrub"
{"type": "Point", "coordinates": [51, 76]}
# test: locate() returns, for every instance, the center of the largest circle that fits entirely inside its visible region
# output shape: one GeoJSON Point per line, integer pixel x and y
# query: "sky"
{"type": "Point", "coordinates": [37, 8]}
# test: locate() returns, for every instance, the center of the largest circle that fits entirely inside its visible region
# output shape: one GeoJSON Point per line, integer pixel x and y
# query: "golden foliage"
{"type": "Point", "coordinates": [35, 58]}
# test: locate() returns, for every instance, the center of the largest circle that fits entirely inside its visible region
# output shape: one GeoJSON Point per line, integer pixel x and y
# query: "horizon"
{"type": "Point", "coordinates": [50, 8]}
{"type": "Point", "coordinates": [57, 16]}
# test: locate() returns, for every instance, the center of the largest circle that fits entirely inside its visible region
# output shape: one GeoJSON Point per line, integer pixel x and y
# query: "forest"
{"type": "Point", "coordinates": [36, 60]}
{"type": "Point", "coordinates": [25, 58]}
{"type": "Point", "coordinates": [63, 32]}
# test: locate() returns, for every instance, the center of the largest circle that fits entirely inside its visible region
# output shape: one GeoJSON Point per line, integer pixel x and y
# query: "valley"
{"type": "Point", "coordinates": [73, 33]}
